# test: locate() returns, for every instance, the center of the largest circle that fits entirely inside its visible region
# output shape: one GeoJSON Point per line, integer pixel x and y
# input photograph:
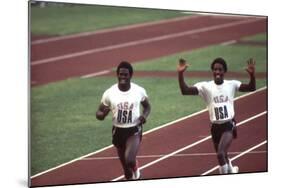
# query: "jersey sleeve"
{"type": "Point", "coordinates": [105, 98]}
{"type": "Point", "coordinates": [236, 84]}
{"type": "Point", "coordinates": [199, 87]}
{"type": "Point", "coordinates": [143, 94]}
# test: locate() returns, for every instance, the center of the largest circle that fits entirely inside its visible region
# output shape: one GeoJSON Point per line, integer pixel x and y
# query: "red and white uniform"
{"type": "Point", "coordinates": [219, 99]}
{"type": "Point", "coordinates": [125, 106]}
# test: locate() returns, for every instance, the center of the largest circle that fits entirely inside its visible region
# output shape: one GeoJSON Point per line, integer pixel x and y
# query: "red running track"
{"type": "Point", "coordinates": [57, 60]}
{"type": "Point", "coordinates": [190, 137]}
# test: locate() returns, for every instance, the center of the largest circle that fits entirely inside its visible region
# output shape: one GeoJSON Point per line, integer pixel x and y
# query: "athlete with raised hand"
{"type": "Point", "coordinates": [125, 100]}
{"type": "Point", "coordinates": [218, 95]}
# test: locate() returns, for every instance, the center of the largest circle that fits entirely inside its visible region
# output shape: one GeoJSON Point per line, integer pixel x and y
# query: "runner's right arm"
{"type": "Point", "coordinates": [185, 89]}
{"type": "Point", "coordinates": [102, 112]}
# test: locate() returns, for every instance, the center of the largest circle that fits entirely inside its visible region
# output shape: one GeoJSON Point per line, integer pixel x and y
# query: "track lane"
{"type": "Point", "coordinates": [102, 39]}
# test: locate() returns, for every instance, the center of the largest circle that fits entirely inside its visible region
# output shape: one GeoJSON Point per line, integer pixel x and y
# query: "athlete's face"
{"type": "Point", "coordinates": [218, 73]}
{"type": "Point", "coordinates": [124, 76]}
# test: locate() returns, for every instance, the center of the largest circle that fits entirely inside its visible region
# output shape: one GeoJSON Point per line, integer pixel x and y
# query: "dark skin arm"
{"type": "Point", "coordinates": [185, 89]}
{"type": "Point", "coordinates": [102, 112]}
{"type": "Point", "coordinates": [251, 86]}
{"type": "Point", "coordinates": [146, 111]}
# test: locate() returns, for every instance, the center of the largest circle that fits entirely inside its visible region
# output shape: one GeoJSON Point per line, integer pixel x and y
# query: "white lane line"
{"type": "Point", "coordinates": [143, 41]}
{"type": "Point", "coordinates": [236, 157]}
{"type": "Point", "coordinates": [96, 74]}
{"type": "Point", "coordinates": [228, 43]}
{"type": "Point", "coordinates": [177, 155]}
{"type": "Point", "coordinates": [147, 132]}
{"type": "Point", "coordinates": [189, 146]}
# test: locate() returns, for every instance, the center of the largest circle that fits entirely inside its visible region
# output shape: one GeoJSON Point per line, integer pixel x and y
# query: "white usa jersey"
{"type": "Point", "coordinates": [125, 106]}
{"type": "Point", "coordinates": [219, 99]}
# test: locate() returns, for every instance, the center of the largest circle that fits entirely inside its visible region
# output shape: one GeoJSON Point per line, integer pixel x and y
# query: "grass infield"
{"type": "Point", "coordinates": [62, 19]}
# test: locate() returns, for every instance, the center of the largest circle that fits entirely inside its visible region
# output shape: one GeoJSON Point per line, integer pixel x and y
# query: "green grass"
{"type": "Point", "coordinates": [235, 56]}
{"type": "Point", "coordinates": [62, 20]}
{"type": "Point", "coordinates": [63, 120]}
{"type": "Point", "coordinates": [258, 37]}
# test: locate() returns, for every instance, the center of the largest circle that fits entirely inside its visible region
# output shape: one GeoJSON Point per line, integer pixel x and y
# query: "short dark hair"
{"type": "Point", "coordinates": [126, 65]}
{"type": "Point", "coordinates": [221, 61]}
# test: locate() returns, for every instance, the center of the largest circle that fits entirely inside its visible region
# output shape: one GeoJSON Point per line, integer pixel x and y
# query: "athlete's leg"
{"type": "Point", "coordinates": [216, 145]}
{"type": "Point", "coordinates": [121, 155]}
{"type": "Point", "coordinates": [118, 142]}
{"type": "Point", "coordinates": [132, 148]}
{"type": "Point", "coordinates": [216, 135]}
{"type": "Point", "coordinates": [127, 155]}
{"type": "Point", "coordinates": [223, 146]}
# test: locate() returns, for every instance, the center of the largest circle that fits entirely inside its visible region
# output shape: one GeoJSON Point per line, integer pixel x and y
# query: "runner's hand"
{"type": "Point", "coordinates": [142, 120]}
{"type": "Point", "coordinates": [182, 66]}
{"type": "Point", "coordinates": [251, 66]}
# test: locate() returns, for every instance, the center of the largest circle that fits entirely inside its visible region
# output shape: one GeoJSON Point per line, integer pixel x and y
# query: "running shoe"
{"type": "Point", "coordinates": [234, 170]}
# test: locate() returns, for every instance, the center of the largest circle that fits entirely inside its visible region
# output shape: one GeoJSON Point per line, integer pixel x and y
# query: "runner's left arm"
{"type": "Point", "coordinates": [251, 86]}
{"type": "Point", "coordinates": [146, 111]}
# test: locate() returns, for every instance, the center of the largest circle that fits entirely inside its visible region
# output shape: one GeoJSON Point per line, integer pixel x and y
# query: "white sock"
{"type": "Point", "coordinates": [223, 169]}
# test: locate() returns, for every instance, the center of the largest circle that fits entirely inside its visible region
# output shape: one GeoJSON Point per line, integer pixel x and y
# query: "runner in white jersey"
{"type": "Point", "coordinates": [125, 100]}
{"type": "Point", "coordinates": [125, 105]}
{"type": "Point", "coordinates": [219, 99]}
{"type": "Point", "coordinates": [219, 95]}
